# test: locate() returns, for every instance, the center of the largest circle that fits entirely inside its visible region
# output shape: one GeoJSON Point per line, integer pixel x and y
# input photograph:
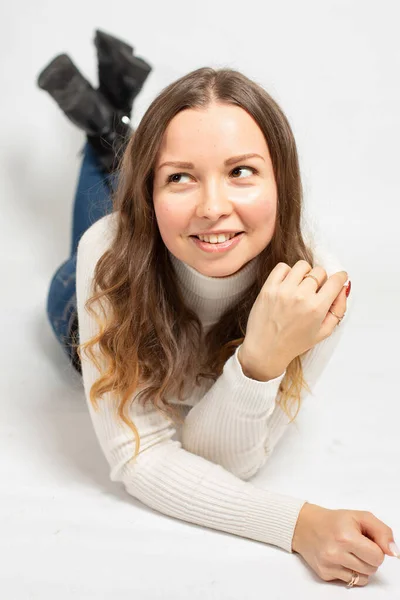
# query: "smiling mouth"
{"type": "Point", "coordinates": [236, 234]}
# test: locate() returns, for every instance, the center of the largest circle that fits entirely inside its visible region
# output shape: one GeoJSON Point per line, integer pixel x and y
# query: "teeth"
{"type": "Point", "coordinates": [216, 239]}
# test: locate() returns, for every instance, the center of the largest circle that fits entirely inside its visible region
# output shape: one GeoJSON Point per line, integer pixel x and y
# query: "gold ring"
{"type": "Point", "coordinates": [313, 276]}
{"type": "Point", "coordinates": [354, 579]}
{"type": "Point", "coordinates": [337, 316]}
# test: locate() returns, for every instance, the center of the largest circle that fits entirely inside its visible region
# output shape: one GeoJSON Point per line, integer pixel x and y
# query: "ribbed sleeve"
{"type": "Point", "coordinates": [238, 422]}
{"type": "Point", "coordinates": [314, 364]}
{"type": "Point", "coordinates": [165, 476]}
{"type": "Point", "coordinates": [229, 424]}
{"type": "Point", "coordinates": [183, 485]}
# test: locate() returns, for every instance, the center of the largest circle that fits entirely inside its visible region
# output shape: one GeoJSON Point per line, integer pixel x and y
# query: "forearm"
{"type": "Point", "coordinates": [229, 424]}
{"type": "Point", "coordinates": [239, 426]}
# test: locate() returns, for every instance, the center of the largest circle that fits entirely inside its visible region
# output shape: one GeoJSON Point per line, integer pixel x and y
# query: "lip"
{"type": "Point", "coordinates": [213, 248]}
{"type": "Point", "coordinates": [218, 232]}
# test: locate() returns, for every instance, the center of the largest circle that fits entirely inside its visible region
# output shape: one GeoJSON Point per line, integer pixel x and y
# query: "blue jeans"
{"type": "Point", "coordinates": [92, 201]}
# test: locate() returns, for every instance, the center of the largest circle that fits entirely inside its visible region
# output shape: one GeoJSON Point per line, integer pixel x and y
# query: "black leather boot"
{"type": "Point", "coordinates": [85, 107]}
{"type": "Point", "coordinates": [121, 75]}
{"type": "Point", "coordinates": [103, 113]}
{"type": "Point", "coordinates": [75, 95]}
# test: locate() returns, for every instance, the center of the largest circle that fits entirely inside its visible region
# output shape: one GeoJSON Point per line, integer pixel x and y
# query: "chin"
{"type": "Point", "coordinates": [218, 272]}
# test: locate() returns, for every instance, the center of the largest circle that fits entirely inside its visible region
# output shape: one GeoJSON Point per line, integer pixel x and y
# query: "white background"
{"type": "Point", "coordinates": [66, 530]}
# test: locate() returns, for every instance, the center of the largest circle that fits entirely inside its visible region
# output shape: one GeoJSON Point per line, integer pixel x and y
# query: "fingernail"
{"type": "Point", "coordinates": [394, 549]}
{"type": "Point", "coordinates": [348, 289]}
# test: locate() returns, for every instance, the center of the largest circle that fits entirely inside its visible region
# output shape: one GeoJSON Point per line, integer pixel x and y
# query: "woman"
{"type": "Point", "coordinates": [217, 335]}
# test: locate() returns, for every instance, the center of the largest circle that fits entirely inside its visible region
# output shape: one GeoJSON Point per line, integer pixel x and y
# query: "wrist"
{"type": "Point", "coordinates": [307, 521]}
{"type": "Point", "coordinates": [298, 527]}
{"type": "Point", "coordinates": [252, 371]}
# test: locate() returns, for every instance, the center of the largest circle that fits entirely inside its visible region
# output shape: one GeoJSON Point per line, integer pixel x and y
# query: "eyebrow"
{"type": "Point", "coordinates": [229, 161]}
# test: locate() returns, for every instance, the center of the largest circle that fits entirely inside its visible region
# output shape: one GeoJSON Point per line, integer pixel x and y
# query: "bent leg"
{"type": "Point", "coordinates": [93, 200]}
{"type": "Point", "coordinates": [61, 305]}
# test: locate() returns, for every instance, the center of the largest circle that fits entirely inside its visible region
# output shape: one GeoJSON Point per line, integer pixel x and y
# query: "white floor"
{"type": "Point", "coordinates": [67, 531]}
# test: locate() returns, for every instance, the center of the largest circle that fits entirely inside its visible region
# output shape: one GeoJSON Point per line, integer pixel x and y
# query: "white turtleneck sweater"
{"type": "Point", "coordinates": [199, 472]}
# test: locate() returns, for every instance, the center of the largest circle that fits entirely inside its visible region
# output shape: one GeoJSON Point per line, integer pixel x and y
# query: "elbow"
{"type": "Point", "coordinates": [246, 471]}
{"type": "Point", "coordinates": [123, 471]}
{"type": "Point", "coordinates": [130, 467]}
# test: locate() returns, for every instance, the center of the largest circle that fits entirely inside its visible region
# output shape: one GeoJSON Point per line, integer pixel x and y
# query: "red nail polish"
{"type": "Point", "coordinates": [348, 288]}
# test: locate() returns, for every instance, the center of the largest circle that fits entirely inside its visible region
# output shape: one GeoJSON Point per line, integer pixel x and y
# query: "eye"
{"type": "Point", "coordinates": [254, 171]}
{"type": "Point", "coordinates": [169, 178]}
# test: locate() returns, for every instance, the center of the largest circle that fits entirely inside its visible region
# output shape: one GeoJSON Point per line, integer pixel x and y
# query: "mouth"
{"type": "Point", "coordinates": [236, 234]}
{"type": "Point", "coordinates": [218, 247]}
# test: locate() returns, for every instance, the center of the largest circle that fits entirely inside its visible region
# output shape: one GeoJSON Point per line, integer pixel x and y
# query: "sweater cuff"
{"type": "Point", "coordinates": [271, 517]}
{"type": "Point", "coordinates": [253, 396]}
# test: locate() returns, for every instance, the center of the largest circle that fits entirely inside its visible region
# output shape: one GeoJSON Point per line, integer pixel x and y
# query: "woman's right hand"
{"type": "Point", "coordinates": [289, 316]}
{"type": "Point", "coordinates": [336, 542]}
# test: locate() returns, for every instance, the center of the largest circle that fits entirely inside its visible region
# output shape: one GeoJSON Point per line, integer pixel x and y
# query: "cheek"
{"type": "Point", "coordinates": [264, 212]}
{"type": "Point", "coordinates": [171, 217]}
{"type": "Point", "coordinates": [261, 212]}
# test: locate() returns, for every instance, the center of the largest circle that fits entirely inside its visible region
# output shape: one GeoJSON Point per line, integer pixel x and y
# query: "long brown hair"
{"type": "Point", "coordinates": [149, 340]}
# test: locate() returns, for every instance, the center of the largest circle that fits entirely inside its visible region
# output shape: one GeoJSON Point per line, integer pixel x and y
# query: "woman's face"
{"type": "Point", "coordinates": [209, 195]}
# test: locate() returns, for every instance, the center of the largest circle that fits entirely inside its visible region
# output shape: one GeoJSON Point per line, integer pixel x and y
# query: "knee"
{"type": "Point", "coordinates": [61, 290]}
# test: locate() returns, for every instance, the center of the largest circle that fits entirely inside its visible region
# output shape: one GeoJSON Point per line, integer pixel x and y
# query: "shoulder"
{"type": "Point", "coordinates": [100, 234]}
{"type": "Point", "coordinates": [95, 242]}
{"type": "Point", "coordinates": [92, 245]}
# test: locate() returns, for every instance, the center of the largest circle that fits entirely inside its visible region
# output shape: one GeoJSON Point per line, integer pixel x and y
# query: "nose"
{"type": "Point", "coordinates": [213, 201]}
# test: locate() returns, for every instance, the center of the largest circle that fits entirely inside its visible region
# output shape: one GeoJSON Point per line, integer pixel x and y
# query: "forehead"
{"type": "Point", "coordinates": [220, 130]}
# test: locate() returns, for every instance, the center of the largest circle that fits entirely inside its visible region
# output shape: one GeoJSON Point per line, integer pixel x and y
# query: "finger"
{"type": "Point", "coordinates": [346, 575]}
{"type": "Point", "coordinates": [377, 531]}
{"type": "Point", "coordinates": [309, 283]}
{"type": "Point", "coordinates": [352, 562]}
{"type": "Point", "coordinates": [296, 274]}
{"type": "Point", "coordinates": [330, 290]}
{"type": "Point", "coordinates": [367, 551]}
{"type": "Point", "coordinates": [278, 273]}
{"type": "Point", "coordinates": [339, 307]}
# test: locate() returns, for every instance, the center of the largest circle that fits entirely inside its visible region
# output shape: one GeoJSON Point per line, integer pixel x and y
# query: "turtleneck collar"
{"type": "Point", "coordinates": [208, 296]}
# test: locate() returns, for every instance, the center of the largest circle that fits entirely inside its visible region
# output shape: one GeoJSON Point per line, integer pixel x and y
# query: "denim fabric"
{"type": "Point", "coordinates": [92, 201]}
